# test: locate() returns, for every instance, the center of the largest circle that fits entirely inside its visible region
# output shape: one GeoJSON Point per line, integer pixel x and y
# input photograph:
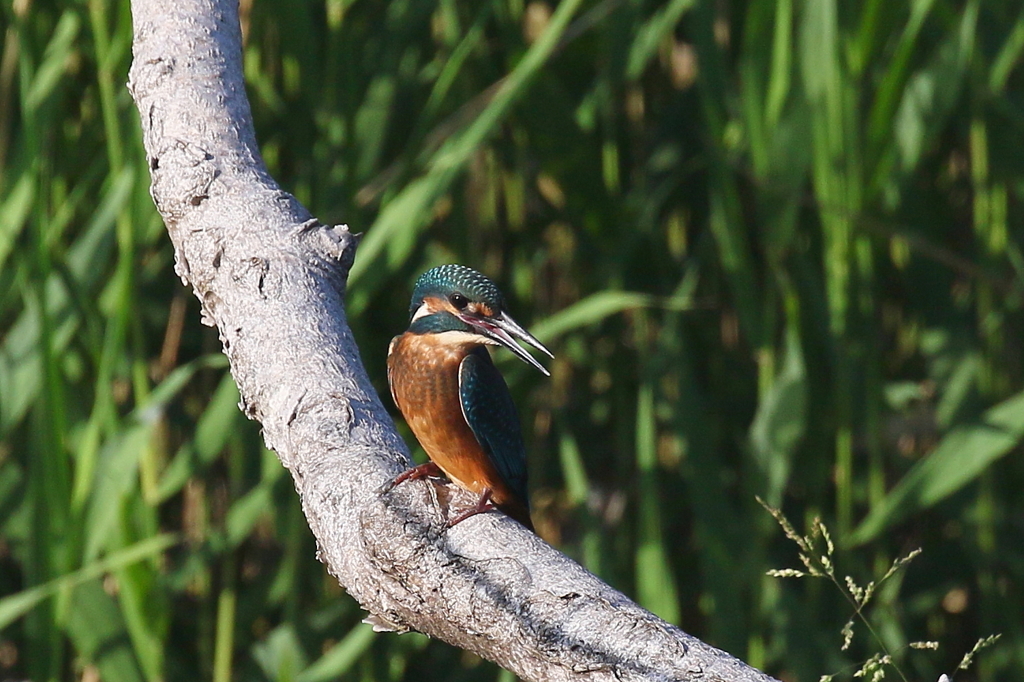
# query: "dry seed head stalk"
{"type": "Point", "coordinates": [874, 667]}
{"type": "Point", "coordinates": [847, 635]}
{"type": "Point", "coordinates": [869, 591]}
{"type": "Point", "coordinates": [900, 563]}
{"type": "Point", "coordinates": [855, 590]}
{"type": "Point", "coordinates": [812, 568]}
{"type": "Point", "coordinates": [828, 538]}
{"type": "Point", "coordinates": [786, 526]}
{"type": "Point", "coordinates": [981, 644]}
{"type": "Point", "coordinates": [786, 573]}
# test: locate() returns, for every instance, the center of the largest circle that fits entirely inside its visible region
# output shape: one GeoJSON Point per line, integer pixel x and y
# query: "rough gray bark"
{"type": "Point", "coordinates": [272, 280]}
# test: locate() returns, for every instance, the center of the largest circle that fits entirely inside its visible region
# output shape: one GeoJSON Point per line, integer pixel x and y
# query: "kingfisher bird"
{"type": "Point", "coordinates": [454, 398]}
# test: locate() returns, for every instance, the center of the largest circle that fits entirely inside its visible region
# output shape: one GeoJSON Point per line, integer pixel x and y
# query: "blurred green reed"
{"type": "Point", "coordinates": [774, 246]}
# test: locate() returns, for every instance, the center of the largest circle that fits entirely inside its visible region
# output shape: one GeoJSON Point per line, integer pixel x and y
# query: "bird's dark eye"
{"type": "Point", "coordinates": [459, 301]}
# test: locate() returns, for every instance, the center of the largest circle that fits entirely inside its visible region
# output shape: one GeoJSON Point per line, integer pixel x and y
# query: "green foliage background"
{"type": "Point", "coordinates": [775, 246]}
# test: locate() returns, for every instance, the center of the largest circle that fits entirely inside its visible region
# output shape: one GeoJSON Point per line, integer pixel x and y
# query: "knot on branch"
{"type": "Point", "coordinates": [183, 173]}
{"type": "Point", "coordinates": [336, 241]}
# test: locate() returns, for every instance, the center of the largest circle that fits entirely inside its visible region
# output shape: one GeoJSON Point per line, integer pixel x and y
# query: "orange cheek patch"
{"type": "Point", "coordinates": [481, 309]}
{"type": "Point", "coordinates": [435, 304]}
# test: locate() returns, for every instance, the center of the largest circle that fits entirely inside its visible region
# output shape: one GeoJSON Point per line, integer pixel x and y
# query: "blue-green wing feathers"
{"type": "Point", "coordinates": [491, 415]}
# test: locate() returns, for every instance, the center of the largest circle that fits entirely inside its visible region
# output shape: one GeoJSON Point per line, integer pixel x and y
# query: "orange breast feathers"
{"type": "Point", "coordinates": [423, 371]}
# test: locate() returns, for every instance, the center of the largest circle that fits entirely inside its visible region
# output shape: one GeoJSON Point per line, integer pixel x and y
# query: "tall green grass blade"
{"type": "Point", "coordinates": [780, 421]}
{"type": "Point", "coordinates": [17, 605]}
{"type": "Point", "coordinates": [577, 487]}
{"type": "Point", "coordinates": [966, 452]}
{"type": "Point", "coordinates": [116, 468]}
{"type": "Point", "coordinates": [171, 387]}
{"type": "Point", "coordinates": [573, 470]}
{"type": "Point", "coordinates": [781, 70]}
{"type": "Point", "coordinates": [735, 256]}
{"type": "Point", "coordinates": [116, 472]}
{"type": "Point", "coordinates": [604, 304]}
{"type": "Point", "coordinates": [454, 64]}
{"type": "Point", "coordinates": [931, 92]}
{"type": "Point", "coordinates": [893, 82]}
{"type": "Point", "coordinates": [655, 585]}
{"type": "Point", "coordinates": [186, 462]}
{"type": "Point", "coordinates": [55, 60]}
{"type": "Point", "coordinates": [652, 35]}
{"type": "Point", "coordinates": [12, 490]}
{"type": "Point", "coordinates": [957, 389]}
{"type": "Point", "coordinates": [280, 655]}
{"type": "Point", "coordinates": [20, 369]}
{"type": "Point", "coordinates": [341, 657]}
{"type": "Point", "coordinates": [218, 421]}
{"type": "Point", "coordinates": [145, 614]}
{"type": "Point", "coordinates": [589, 311]}
{"type": "Point", "coordinates": [98, 633]}
{"type": "Point", "coordinates": [1008, 57]}
{"type": "Point", "coordinates": [14, 212]}
{"type": "Point", "coordinates": [183, 466]}
{"type": "Point", "coordinates": [246, 512]}
{"type": "Point", "coordinates": [225, 638]}
{"type": "Point", "coordinates": [371, 123]}
{"type": "Point", "coordinates": [401, 220]}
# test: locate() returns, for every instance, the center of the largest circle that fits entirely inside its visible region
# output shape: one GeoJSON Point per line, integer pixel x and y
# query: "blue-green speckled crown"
{"type": "Point", "coordinates": [445, 280]}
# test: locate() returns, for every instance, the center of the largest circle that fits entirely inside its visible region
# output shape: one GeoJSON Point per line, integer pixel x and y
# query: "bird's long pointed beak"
{"type": "Point", "coordinates": [505, 331]}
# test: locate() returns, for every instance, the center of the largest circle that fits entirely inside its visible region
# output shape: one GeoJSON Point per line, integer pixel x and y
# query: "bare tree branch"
{"type": "Point", "coordinates": [272, 280]}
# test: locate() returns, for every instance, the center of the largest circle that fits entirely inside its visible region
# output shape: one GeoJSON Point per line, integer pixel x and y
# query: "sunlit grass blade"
{"type": "Point", "coordinates": [20, 372]}
{"type": "Point", "coordinates": [116, 473]}
{"type": "Point", "coordinates": [652, 35]}
{"type": "Point", "coordinates": [14, 213]}
{"type": "Point", "coordinates": [401, 219]}
{"type": "Point", "coordinates": [960, 457]}
{"type": "Point", "coordinates": [577, 487]}
{"type": "Point", "coordinates": [280, 655]}
{"type": "Point", "coordinates": [55, 60]}
{"type": "Point", "coordinates": [218, 421]}
{"type": "Point", "coordinates": [655, 584]}
{"type": "Point", "coordinates": [340, 658]}
{"type": "Point", "coordinates": [145, 611]}
{"type": "Point", "coordinates": [781, 419]}
{"type": "Point", "coordinates": [1009, 56]}
{"type": "Point", "coordinates": [931, 93]}
{"type": "Point", "coordinates": [588, 311]}
{"type": "Point", "coordinates": [17, 605]}
{"type": "Point", "coordinates": [97, 631]}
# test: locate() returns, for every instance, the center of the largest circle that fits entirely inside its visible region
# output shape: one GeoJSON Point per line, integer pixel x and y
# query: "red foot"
{"type": "Point", "coordinates": [484, 504]}
{"type": "Point", "coordinates": [417, 473]}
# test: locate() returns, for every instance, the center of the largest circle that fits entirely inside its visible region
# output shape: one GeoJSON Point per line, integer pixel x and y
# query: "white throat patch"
{"type": "Point", "coordinates": [422, 311]}
{"type": "Point", "coordinates": [455, 338]}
